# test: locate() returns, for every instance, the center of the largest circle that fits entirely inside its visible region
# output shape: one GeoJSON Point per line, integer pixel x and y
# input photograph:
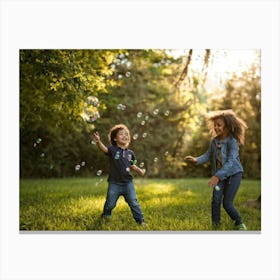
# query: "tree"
{"type": "Point", "coordinates": [54, 85]}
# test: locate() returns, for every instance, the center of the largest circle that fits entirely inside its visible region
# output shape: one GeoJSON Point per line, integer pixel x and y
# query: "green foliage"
{"type": "Point", "coordinates": [54, 85]}
{"type": "Point", "coordinates": [134, 87]}
{"type": "Point", "coordinates": [168, 205]}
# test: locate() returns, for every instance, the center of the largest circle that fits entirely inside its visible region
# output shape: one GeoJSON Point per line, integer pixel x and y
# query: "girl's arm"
{"type": "Point", "coordinates": [99, 143]}
{"type": "Point", "coordinates": [205, 157]}
{"type": "Point", "coordinates": [191, 159]}
{"type": "Point", "coordinates": [201, 159]}
{"type": "Point", "coordinates": [140, 171]}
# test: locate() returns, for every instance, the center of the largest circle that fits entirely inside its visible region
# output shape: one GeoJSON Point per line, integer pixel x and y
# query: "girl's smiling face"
{"type": "Point", "coordinates": [220, 128]}
{"type": "Point", "coordinates": [122, 138]}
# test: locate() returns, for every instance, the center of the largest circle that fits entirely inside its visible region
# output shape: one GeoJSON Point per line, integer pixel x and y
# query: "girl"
{"type": "Point", "coordinates": [122, 161]}
{"type": "Point", "coordinates": [228, 132]}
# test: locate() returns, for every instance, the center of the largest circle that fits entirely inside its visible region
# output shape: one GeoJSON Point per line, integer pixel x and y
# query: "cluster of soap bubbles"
{"type": "Point", "coordinates": [144, 119]}
{"type": "Point", "coordinates": [91, 113]}
{"type": "Point", "coordinates": [121, 107]}
{"type": "Point", "coordinates": [93, 103]}
{"type": "Point", "coordinates": [38, 141]}
{"type": "Point", "coordinates": [135, 136]}
{"type": "Point", "coordinates": [78, 166]}
{"type": "Point", "coordinates": [82, 164]}
{"type": "Point", "coordinates": [35, 145]}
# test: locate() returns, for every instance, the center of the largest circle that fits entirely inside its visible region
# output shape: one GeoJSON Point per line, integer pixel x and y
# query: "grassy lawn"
{"type": "Point", "coordinates": [76, 204]}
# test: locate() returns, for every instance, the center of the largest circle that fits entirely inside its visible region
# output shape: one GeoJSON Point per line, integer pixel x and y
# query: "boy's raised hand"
{"type": "Point", "coordinates": [96, 137]}
{"type": "Point", "coordinates": [191, 159]}
{"type": "Point", "coordinates": [97, 140]}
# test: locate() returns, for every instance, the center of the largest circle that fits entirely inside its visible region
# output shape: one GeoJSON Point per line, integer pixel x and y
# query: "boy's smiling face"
{"type": "Point", "coordinates": [122, 138]}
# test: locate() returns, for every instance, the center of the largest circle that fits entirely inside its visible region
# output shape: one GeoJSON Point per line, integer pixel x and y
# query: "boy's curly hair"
{"type": "Point", "coordinates": [114, 131]}
{"type": "Point", "coordinates": [234, 125]}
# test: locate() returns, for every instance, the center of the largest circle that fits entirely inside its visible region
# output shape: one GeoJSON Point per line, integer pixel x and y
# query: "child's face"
{"type": "Point", "coordinates": [220, 129]}
{"type": "Point", "coordinates": [122, 138]}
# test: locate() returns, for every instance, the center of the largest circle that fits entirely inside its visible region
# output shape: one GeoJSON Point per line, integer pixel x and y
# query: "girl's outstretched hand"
{"type": "Point", "coordinates": [191, 159]}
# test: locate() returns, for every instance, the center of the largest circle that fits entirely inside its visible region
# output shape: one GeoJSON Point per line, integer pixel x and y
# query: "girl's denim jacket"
{"type": "Point", "coordinates": [230, 157]}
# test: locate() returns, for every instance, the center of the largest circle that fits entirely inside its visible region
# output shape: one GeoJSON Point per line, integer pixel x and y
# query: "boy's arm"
{"type": "Point", "coordinates": [99, 143]}
{"type": "Point", "coordinates": [140, 171]}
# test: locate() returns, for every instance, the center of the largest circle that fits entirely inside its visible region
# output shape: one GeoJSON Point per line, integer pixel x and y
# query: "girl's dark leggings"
{"type": "Point", "coordinates": [227, 193]}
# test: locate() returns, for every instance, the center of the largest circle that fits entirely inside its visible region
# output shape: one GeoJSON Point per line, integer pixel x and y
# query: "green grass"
{"type": "Point", "coordinates": [76, 204]}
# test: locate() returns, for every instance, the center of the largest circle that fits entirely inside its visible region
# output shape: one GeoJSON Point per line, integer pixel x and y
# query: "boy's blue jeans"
{"type": "Point", "coordinates": [115, 190]}
{"type": "Point", "coordinates": [227, 192]}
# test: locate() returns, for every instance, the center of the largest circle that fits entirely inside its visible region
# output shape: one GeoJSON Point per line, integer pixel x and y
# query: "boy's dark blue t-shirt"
{"type": "Point", "coordinates": [120, 162]}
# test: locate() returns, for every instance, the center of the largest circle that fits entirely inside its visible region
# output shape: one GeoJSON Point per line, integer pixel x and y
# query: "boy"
{"type": "Point", "coordinates": [120, 180]}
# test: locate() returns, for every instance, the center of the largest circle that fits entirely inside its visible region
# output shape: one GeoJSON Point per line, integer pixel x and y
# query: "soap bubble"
{"type": "Point", "coordinates": [91, 105]}
{"type": "Point", "coordinates": [142, 164]}
{"type": "Point", "coordinates": [42, 155]}
{"type": "Point", "coordinates": [99, 181]}
{"type": "Point", "coordinates": [144, 135]}
{"type": "Point", "coordinates": [139, 114]}
{"type": "Point", "coordinates": [143, 123]}
{"type": "Point", "coordinates": [146, 118]}
{"type": "Point", "coordinates": [77, 167]}
{"type": "Point", "coordinates": [127, 169]}
{"type": "Point", "coordinates": [83, 163]}
{"type": "Point", "coordinates": [128, 64]}
{"type": "Point", "coordinates": [127, 74]}
{"type": "Point", "coordinates": [155, 159]}
{"type": "Point", "coordinates": [166, 153]}
{"type": "Point", "coordinates": [120, 76]}
{"type": "Point", "coordinates": [93, 142]}
{"type": "Point", "coordinates": [135, 136]}
{"type": "Point", "coordinates": [92, 116]}
{"type": "Point", "coordinates": [99, 172]}
{"type": "Point", "coordinates": [155, 112]}
{"type": "Point", "coordinates": [166, 113]}
{"type": "Point", "coordinates": [92, 100]}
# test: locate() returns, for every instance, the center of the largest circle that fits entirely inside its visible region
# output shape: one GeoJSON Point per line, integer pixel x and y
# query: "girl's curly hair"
{"type": "Point", "coordinates": [234, 125]}
{"type": "Point", "coordinates": [114, 131]}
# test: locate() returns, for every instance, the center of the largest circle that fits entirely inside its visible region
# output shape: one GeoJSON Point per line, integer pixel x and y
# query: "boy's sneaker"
{"type": "Point", "coordinates": [241, 227]}
{"type": "Point", "coordinates": [105, 217]}
{"type": "Point", "coordinates": [142, 224]}
{"type": "Point", "coordinates": [216, 226]}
